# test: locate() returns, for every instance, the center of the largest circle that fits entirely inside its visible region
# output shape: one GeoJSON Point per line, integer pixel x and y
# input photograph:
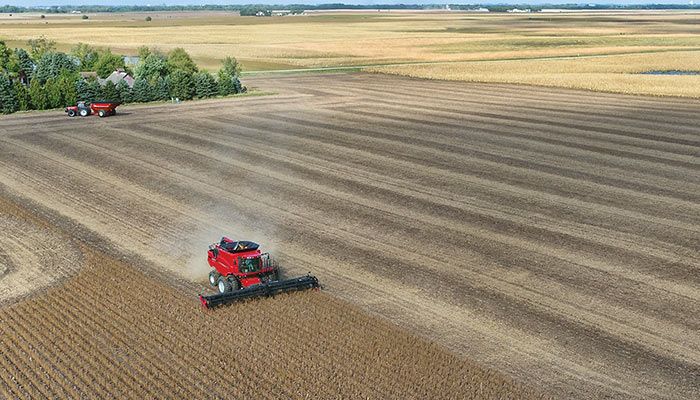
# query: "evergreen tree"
{"type": "Point", "coordinates": [124, 92]}
{"type": "Point", "coordinates": [37, 95]}
{"type": "Point", "coordinates": [94, 90]}
{"type": "Point", "coordinates": [109, 92]}
{"type": "Point", "coordinates": [82, 90]}
{"type": "Point", "coordinates": [23, 100]}
{"type": "Point", "coordinates": [141, 91]}
{"type": "Point", "coordinates": [66, 83]}
{"type": "Point", "coordinates": [54, 96]}
{"type": "Point", "coordinates": [8, 97]}
{"type": "Point", "coordinates": [238, 87]}
{"type": "Point", "coordinates": [181, 85]}
{"type": "Point", "coordinates": [22, 65]}
{"type": "Point", "coordinates": [5, 54]}
{"type": "Point", "coordinates": [225, 82]}
{"type": "Point", "coordinates": [205, 85]}
{"type": "Point", "coordinates": [178, 59]}
{"type": "Point", "coordinates": [50, 65]}
{"type": "Point", "coordinates": [162, 89]}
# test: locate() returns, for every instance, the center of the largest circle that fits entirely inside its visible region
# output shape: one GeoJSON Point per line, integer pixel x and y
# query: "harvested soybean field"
{"type": "Point", "coordinates": [114, 332]}
{"type": "Point", "coordinates": [547, 234]}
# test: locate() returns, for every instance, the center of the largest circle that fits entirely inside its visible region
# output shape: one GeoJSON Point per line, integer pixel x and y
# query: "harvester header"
{"type": "Point", "coordinates": [241, 271]}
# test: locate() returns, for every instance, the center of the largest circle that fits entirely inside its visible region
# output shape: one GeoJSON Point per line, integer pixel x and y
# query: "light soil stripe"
{"type": "Point", "coordinates": [517, 191]}
{"type": "Point", "coordinates": [445, 198]}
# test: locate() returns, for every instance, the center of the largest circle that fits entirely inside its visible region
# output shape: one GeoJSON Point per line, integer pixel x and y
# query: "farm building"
{"type": "Point", "coordinates": [118, 76]}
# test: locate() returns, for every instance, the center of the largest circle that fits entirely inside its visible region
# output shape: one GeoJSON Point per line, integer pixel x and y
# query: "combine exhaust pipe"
{"type": "Point", "coordinates": [262, 290]}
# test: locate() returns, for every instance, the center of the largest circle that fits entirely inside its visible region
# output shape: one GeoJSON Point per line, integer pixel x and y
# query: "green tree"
{"type": "Point", "coordinates": [152, 67]}
{"type": "Point", "coordinates": [54, 97]}
{"type": "Point", "coordinates": [144, 52]}
{"type": "Point", "coordinates": [23, 100]}
{"type": "Point", "coordinates": [179, 60]}
{"type": "Point", "coordinates": [8, 96]}
{"type": "Point", "coordinates": [41, 46]}
{"type": "Point", "coordinates": [205, 85]}
{"type": "Point", "coordinates": [83, 90]}
{"type": "Point", "coordinates": [22, 65]}
{"type": "Point", "coordinates": [225, 82]}
{"type": "Point", "coordinates": [109, 92]}
{"type": "Point", "coordinates": [231, 66]}
{"type": "Point", "coordinates": [86, 55]}
{"type": "Point", "coordinates": [50, 65]}
{"type": "Point", "coordinates": [95, 90]}
{"type": "Point", "coordinates": [181, 85]}
{"type": "Point", "coordinates": [107, 62]}
{"type": "Point", "coordinates": [37, 95]}
{"type": "Point", "coordinates": [5, 54]}
{"type": "Point", "coordinates": [162, 88]}
{"type": "Point", "coordinates": [124, 92]}
{"type": "Point", "coordinates": [66, 83]}
{"type": "Point", "coordinates": [141, 92]}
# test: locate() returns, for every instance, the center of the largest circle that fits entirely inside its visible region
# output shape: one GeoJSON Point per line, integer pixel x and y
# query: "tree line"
{"type": "Point", "coordinates": [42, 78]}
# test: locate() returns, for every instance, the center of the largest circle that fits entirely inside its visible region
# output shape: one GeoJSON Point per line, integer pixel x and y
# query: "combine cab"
{"type": "Point", "coordinates": [101, 108]}
{"type": "Point", "coordinates": [241, 271]}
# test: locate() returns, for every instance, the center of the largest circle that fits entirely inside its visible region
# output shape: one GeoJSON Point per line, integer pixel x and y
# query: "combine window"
{"type": "Point", "coordinates": [250, 265]}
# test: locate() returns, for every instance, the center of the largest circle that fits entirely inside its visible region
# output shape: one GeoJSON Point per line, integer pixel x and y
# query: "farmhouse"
{"type": "Point", "coordinates": [118, 76]}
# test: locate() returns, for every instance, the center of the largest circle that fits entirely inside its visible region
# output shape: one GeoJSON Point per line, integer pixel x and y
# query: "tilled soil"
{"type": "Point", "coordinates": [551, 234]}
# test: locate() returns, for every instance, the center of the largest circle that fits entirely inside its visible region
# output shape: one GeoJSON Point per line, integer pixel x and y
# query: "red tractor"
{"type": "Point", "coordinates": [242, 271]}
{"type": "Point", "coordinates": [101, 108]}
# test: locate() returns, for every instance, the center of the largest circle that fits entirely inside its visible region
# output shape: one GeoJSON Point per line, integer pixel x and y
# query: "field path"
{"type": "Point", "coordinates": [548, 233]}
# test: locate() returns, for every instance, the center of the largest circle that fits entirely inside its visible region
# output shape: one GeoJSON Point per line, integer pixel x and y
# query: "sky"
{"type": "Point", "coordinates": [31, 3]}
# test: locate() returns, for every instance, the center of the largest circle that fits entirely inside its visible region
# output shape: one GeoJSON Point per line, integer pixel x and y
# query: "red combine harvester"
{"type": "Point", "coordinates": [101, 108]}
{"type": "Point", "coordinates": [241, 271]}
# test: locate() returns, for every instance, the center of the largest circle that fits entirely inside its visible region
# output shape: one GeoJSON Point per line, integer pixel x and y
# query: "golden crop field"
{"type": "Point", "coordinates": [541, 49]}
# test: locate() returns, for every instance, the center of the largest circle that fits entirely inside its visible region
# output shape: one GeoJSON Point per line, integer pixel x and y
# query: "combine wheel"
{"type": "Point", "coordinates": [234, 284]}
{"type": "Point", "coordinates": [83, 113]}
{"type": "Point", "coordinates": [214, 278]}
{"type": "Point", "coordinates": [224, 285]}
{"type": "Point", "coordinates": [102, 113]}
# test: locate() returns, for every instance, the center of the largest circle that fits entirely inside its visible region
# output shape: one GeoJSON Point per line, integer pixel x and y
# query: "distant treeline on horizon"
{"type": "Point", "coordinates": [340, 6]}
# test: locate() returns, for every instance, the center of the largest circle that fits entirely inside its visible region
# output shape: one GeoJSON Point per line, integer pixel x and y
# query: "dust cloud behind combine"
{"type": "Point", "coordinates": [548, 233]}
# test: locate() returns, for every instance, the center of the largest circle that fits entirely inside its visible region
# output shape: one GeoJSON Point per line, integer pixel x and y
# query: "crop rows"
{"type": "Point", "coordinates": [113, 332]}
{"type": "Point", "coordinates": [547, 233]}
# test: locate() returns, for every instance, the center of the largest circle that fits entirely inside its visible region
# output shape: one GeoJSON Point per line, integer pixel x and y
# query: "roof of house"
{"type": "Point", "coordinates": [117, 76]}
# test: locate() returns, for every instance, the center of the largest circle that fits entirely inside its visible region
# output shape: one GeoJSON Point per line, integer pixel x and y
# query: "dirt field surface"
{"type": "Point", "coordinates": [113, 332]}
{"type": "Point", "coordinates": [548, 233]}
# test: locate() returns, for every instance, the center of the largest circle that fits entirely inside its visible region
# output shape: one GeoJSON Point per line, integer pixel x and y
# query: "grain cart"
{"type": "Point", "coordinates": [101, 108]}
{"type": "Point", "coordinates": [241, 271]}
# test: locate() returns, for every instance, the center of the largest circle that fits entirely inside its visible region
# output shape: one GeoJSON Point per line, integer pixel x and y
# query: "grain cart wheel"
{"type": "Point", "coordinates": [71, 113]}
{"type": "Point", "coordinates": [83, 113]}
{"type": "Point", "coordinates": [102, 113]}
{"type": "Point", "coordinates": [214, 278]}
{"type": "Point", "coordinates": [224, 285]}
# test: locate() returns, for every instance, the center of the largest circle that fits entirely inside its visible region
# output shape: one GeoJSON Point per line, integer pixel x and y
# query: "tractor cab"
{"type": "Point", "coordinates": [239, 263]}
